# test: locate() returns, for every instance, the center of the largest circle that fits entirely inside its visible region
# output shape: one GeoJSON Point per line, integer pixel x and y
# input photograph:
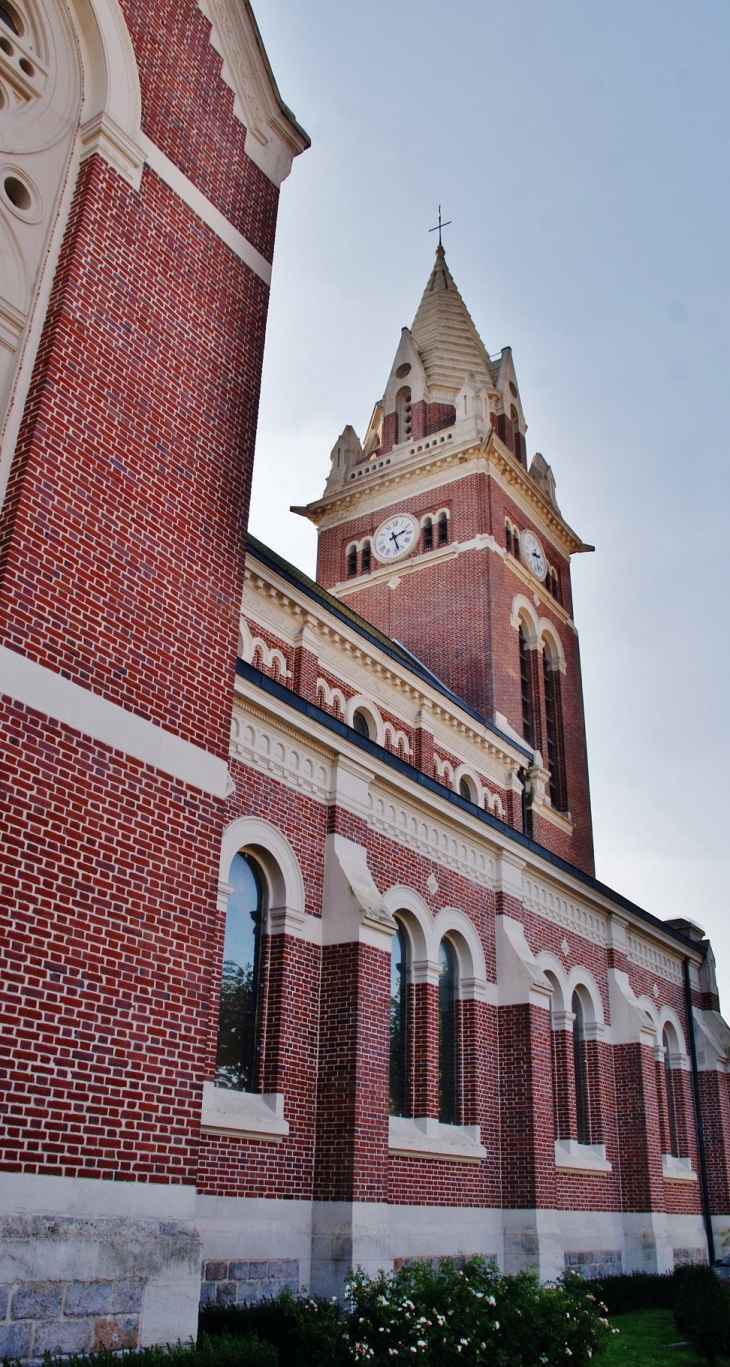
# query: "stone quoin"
{"type": "Point", "coordinates": [305, 964]}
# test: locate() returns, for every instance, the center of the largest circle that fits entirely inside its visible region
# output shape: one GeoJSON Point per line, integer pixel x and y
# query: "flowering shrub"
{"type": "Point", "coordinates": [466, 1314]}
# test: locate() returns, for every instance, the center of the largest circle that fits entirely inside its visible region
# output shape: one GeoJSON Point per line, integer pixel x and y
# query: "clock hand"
{"type": "Point", "coordinates": [394, 537]}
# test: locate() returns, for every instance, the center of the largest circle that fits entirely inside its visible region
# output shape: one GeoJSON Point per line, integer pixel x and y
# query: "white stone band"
{"type": "Point", "coordinates": [45, 691]}
{"type": "Point", "coordinates": [212, 217]}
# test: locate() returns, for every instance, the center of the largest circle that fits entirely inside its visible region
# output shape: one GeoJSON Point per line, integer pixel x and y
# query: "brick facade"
{"type": "Point", "coordinates": [141, 755]}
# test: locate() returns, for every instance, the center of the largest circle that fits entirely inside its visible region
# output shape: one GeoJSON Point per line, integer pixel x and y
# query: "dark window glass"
{"type": "Point", "coordinates": [443, 526]}
{"type": "Point", "coordinates": [465, 789]}
{"type": "Point", "coordinates": [351, 563]}
{"type": "Point", "coordinates": [516, 544]}
{"type": "Point", "coordinates": [399, 1024]}
{"type": "Point", "coordinates": [7, 19]}
{"type": "Point", "coordinates": [554, 738]}
{"type": "Point", "coordinates": [508, 538]}
{"type": "Point", "coordinates": [360, 723]}
{"type": "Point", "coordinates": [365, 560]}
{"type": "Point", "coordinates": [671, 1098]}
{"type": "Point", "coordinates": [428, 536]}
{"type": "Point", "coordinates": [448, 1036]}
{"type": "Point", "coordinates": [236, 1056]}
{"type": "Point", "coordinates": [582, 1112]}
{"type": "Point", "coordinates": [525, 685]}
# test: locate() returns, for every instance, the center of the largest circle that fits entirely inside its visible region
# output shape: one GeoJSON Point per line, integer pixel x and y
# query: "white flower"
{"type": "Point", "coordinates": [421, 1343]}
{"type": "Point", "coordinates": [491, 1300]}
{"type": "Point", "coordinates": [496, 1324]}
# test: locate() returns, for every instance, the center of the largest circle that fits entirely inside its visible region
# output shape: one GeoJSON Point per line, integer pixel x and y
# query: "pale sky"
{"type": "Point", "coordinates": [581, 150]}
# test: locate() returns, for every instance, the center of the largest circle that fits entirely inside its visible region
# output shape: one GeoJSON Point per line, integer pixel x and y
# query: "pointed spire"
{"type": "Point", "coordinates": [444, 333]}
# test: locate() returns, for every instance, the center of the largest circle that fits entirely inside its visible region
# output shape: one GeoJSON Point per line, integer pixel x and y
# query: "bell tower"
{"type": "Point", "coordinates": [437, 531]}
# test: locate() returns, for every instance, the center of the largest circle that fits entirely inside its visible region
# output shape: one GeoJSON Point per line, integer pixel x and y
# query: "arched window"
{"type": "Point", "coordinates": [526, 687]}
{"type": "Point", "coordinates": [672, 1107]}
{"type": "Point", "coordinates": [508, 537]}
{"type": "Point", "coordinates": [238, 1022]}
{"type": "Point", "coordinates": [360, 723]}
{"type": "Point", "coordinates": [515, 543]}
{"type": "Point", "coordinates": [428, 535]}
{"type": "Point", "coordinates": [352, 562]}
{"type": "Point", "coordinates": [365, 559]}
{"type": "Point", "coordinates": [554, 734]}
{"type": "Point", "coordinates": [403, 413]}
{"type": "Point", "coordinates": [443, 530]}
{"type": "Point", "coordinates": [448, 1035]}
{"type": "Point", "coordinates": [466, 789]}
{"type": "Point", "coordinates": [582, 1108]}
{"type": "Point", "coordinates": [399, 1023]}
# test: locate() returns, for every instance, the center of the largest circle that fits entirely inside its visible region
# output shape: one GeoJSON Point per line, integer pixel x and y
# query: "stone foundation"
{"type": "Point", "coordinates": [604, 1262]}
{"type": "Point", "coordinates": [240, 1281]}
{"type": "Point", "coordinates": [69, 1317]}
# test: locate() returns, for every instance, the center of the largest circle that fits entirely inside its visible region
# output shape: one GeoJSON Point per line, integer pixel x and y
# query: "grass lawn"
{"type": "Point", "coordinates": [643, 1341]}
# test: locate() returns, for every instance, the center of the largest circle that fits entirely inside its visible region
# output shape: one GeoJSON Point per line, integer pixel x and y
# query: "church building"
{"type": "Point", "coordinates": [305, 963]}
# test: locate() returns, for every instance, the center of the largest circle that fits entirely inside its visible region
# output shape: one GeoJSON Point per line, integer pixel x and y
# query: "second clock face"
{"type": "Point", "coordinates": [534, 555]}
{"type": "Point", "coordinates": [395, 537]}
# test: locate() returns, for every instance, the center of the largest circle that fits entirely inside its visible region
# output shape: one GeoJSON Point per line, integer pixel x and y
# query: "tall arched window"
{"type": "Point", "coordinates": [399, 1023]}
{"type": "Point", "coordinates": [365, 559]}
{"type": "Point", "coordinates": [448, 1035]}
{"type": "Point", "coordinates": [238, 1022]}
{"type": "Point", "coordinates": [554, 733]}
{"type": "Point", "coordinates": [428, 535]}
{"type": "Point", "coordinates": [582, 1107]}
{"type": "Point", "coordinates": [526, 688]}
{"type": "Point", "coordinates": [672, 1107]}
{"type": "Point", "coordinates": [403, 411]}
{"type": "Point", "coordinates": [443, 530]}
{"type": "Point", "coordinates": [351, 562]}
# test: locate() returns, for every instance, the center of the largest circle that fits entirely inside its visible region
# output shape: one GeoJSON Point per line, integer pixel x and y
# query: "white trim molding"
{"type": "Point", "coordinates": [427, 1138]}
{"type": "Point", "coordinates": [677, 1169]}
{"type": "Point", "coordinates": [45, 691]}
{"type": "Point", "coordinates": [248, 1115]}
{"type": "Point", "coordinates": [570, 1156]}
{"type": "Point", "coordinates": [205, 210]}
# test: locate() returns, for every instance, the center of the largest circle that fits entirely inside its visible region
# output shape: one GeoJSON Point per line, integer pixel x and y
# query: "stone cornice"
{"type": "Point", "coordinates": [461, 445]}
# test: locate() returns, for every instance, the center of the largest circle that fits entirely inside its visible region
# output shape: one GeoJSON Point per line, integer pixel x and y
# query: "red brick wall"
{"type": "Point", "coordinates": [187, 109]}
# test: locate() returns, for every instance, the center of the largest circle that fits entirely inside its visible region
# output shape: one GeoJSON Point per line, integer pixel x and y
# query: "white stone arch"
{"type": "Point", "coordinates": [360, 704]}
{"type": "Point", "coordinates": [275, 856]}
{"type": "Point", "coordinates": [523, 614]}
{"type": "Point", "coordinates": [442, 512]}
{"type": "Point", "coordinates": [550, 638]}
{"type": "Point", "coordinates": [668, 1019]}
{"type": "Point", "coordinates": [397, 740]}
{"type": "Point", "coordinates": [406, 903]}
{"type": "Point", "coordinates": [472, 778]}
{"type": "Point", "coordinates": [444, 769]}
{"type": "Point", "coordinates": [453, 924]}
{"type": "Point", "coordinates": [649, 1008]}
{"type": "Point", "coordinates": [245, 641]}
{"type": "Point", "coordinates": [555, 973]}
{"type": "Point", "coordinates": [581, 979]}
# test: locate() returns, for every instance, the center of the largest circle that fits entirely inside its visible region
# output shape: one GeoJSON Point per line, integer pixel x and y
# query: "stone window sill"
{"type": "Point", "coordinates": [570, 1156]}
{"type": "Point", "coordinates": [426, 1138]}
{"type": "Point", "coordinates": [250, 1115]}
{"type": "Point", "coordinates": [677, 1169]}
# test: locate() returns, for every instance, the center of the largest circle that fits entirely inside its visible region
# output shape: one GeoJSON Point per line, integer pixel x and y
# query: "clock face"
{"type": "Point", "coordinates": [534, 555]}
{"type": "Point", "coordinates": [395, 537]}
